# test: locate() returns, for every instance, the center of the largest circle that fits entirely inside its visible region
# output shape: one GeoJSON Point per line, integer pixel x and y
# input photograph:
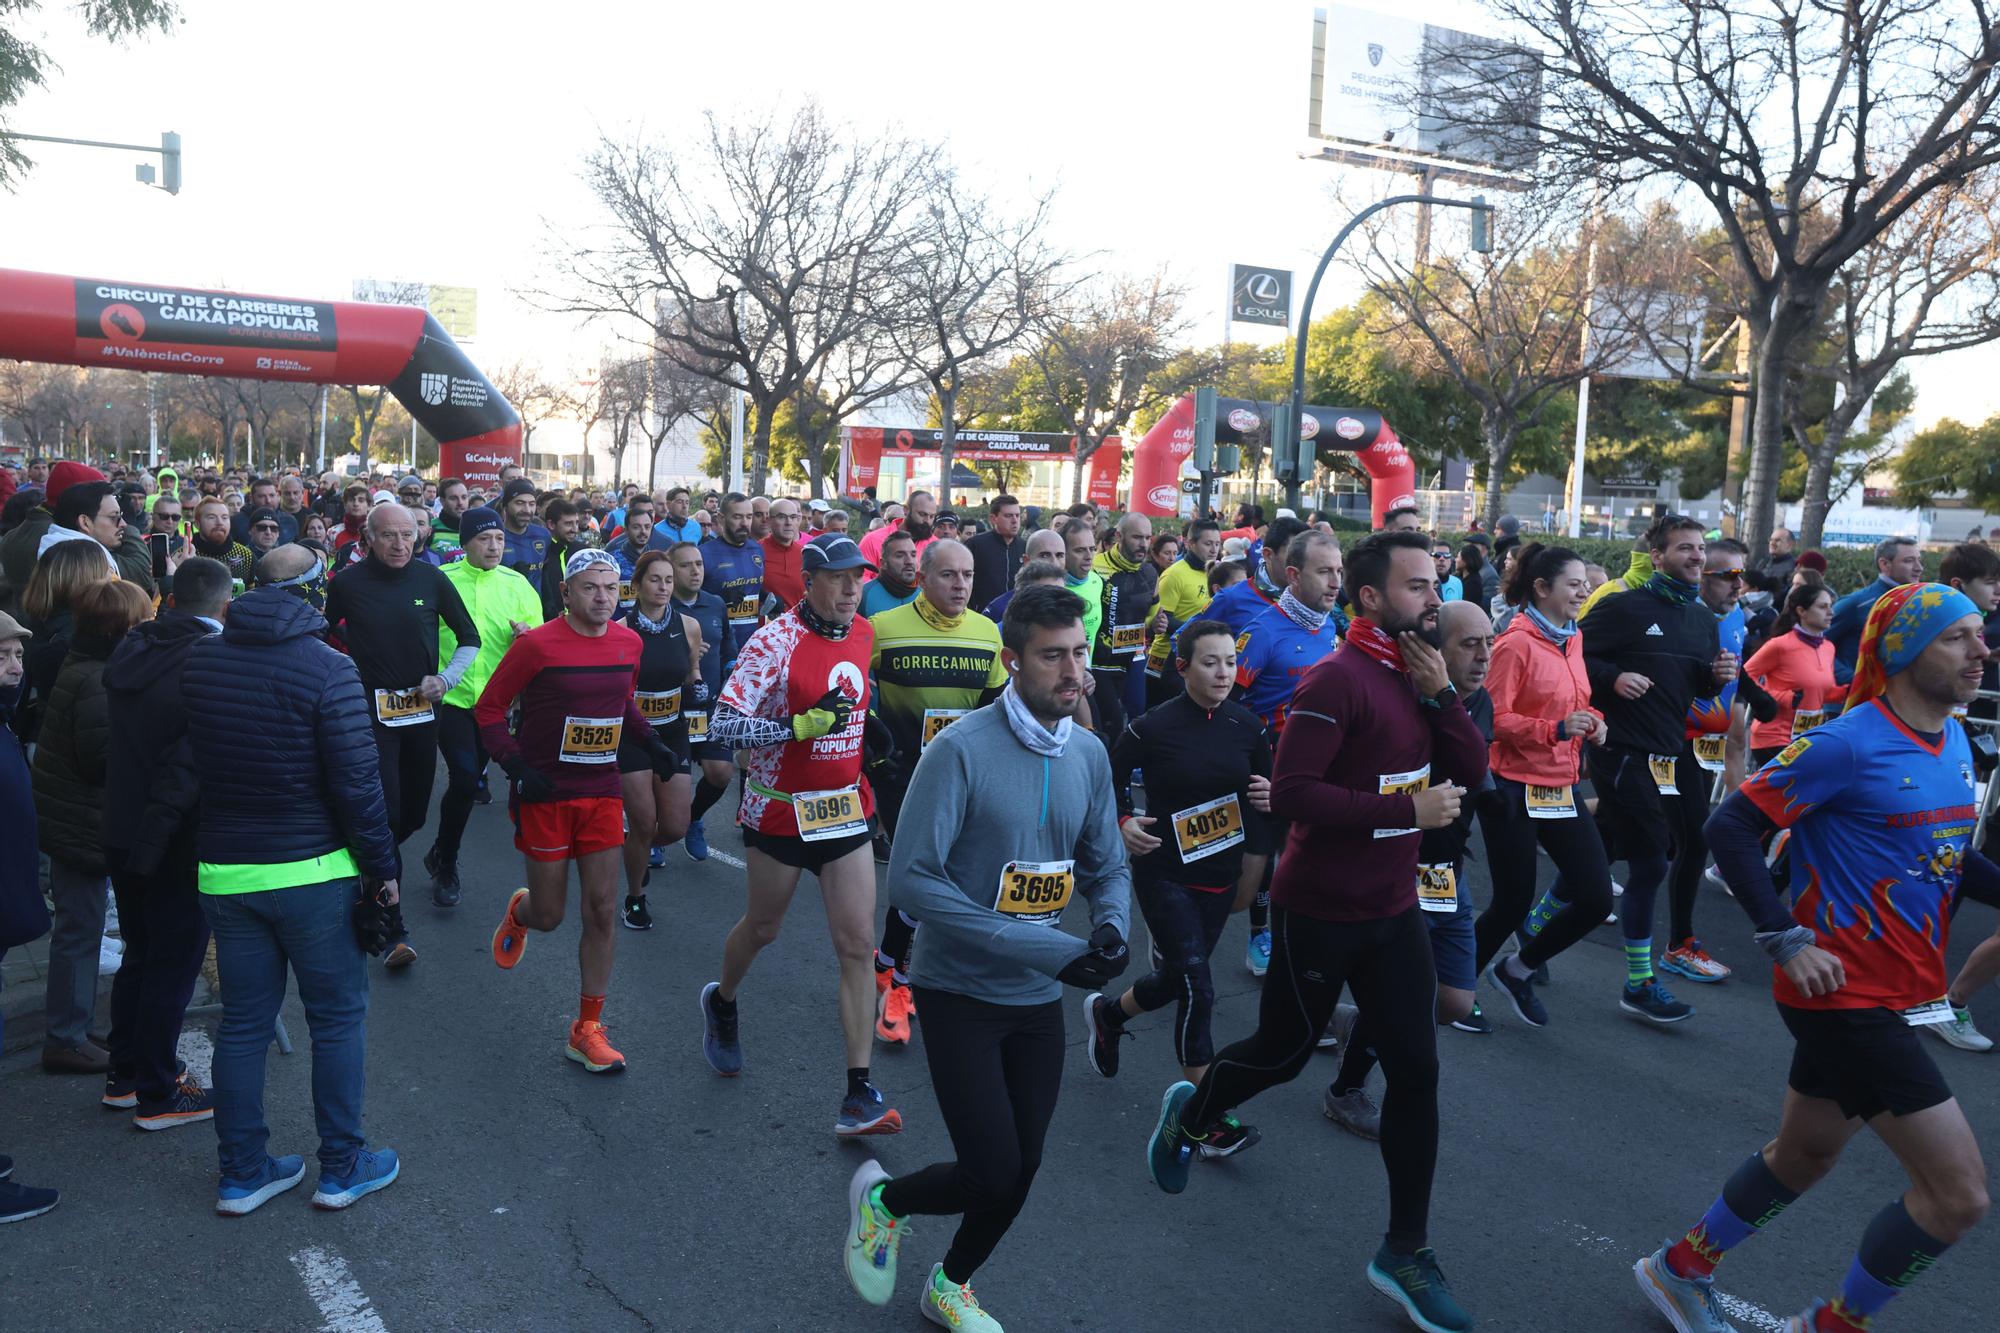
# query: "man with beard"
{"type": "Point", "coordinates": [1377, 746]}
{"type": "Point", "coordinates": [212, 539]}
{"type": "Point", "coordinates": [733, 569]}
{"type": "Point", "coordinates": [527, 540]}
{"type": "Point", "coordinates": [919, 523]}
{"type": "Point", "coordinates": [453, 500]}
{"type": "Point", "coordinates": [996, 552]}
{"type": "Point", "coordinates": [563, 519]}
{"type": "Point", "coordinates": [896, 585]}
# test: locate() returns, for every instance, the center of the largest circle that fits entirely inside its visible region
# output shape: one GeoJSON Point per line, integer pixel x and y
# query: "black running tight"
{"type": "Point", "coordinates": [1388, 966]}
{"type": "Point", "coordinates": [1573, 844]}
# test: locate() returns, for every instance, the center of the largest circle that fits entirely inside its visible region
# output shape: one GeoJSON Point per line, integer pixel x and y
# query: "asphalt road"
{"type": "Point", "coordinates": [536, 1196]}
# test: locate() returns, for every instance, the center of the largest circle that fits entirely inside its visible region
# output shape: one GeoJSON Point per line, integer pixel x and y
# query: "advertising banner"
{"type": "Point", "coordinates": [191, 330]}
{"type": "Point", "coordinates": [1260, 295]}
{"type": "Point", "coordinates": [866, 446]}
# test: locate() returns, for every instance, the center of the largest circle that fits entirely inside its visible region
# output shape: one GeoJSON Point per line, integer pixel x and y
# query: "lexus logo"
{"type": "Point", "coordinates": [1261, 288]}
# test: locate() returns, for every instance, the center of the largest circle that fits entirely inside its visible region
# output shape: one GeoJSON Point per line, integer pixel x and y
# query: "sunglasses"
{"type": "Point", "coordinates": [1733, 575]}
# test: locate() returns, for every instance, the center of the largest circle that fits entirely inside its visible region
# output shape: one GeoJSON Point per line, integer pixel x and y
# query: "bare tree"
{"type": "Point", "coordinates": [625, 390]}
{"type": "Point", "coordinates": [526, 385]}
{"type": "Point", "coordinates": [1808, 128]}
{"type": "Point", "coordinates": [752, 254]}
{"type": "Point", "coordinates": [368, 404]}
{"type": "Point", "coordinates": [675, 394]}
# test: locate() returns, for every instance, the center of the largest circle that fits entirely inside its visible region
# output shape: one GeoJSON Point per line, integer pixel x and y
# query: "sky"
{"type": "Point", "coordinates": [441, 143]}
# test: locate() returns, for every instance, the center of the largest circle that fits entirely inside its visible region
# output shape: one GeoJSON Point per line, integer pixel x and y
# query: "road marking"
{"type": "Point", "coordinates": [199, 1052]}
{"type": "Point", "coordinates": [1754, 1316]}
{"type": "Point", "coordinates": [727, 859]}
{"type": "Point", "coordinates": [333, 1289]}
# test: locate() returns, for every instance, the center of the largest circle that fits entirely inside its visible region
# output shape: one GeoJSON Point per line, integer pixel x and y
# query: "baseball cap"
{"type": "Point", "coordinates": [256, 516]}
{"type": "Point", "coordinates": [475, 521]}
{"type": "Point", "coordinates": [819, 506]}
{"type": "Point", "coordinates": [832, 550]}
{"type": "Point", "coordinates": [382, 498]}
{"type": "Point", "coordinates": [11, 628]}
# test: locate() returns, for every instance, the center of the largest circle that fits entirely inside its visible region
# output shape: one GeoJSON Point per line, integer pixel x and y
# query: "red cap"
{"type": "Point", "coordinates": [65, 475]}
{"type": "Point", "coordinates": [1812, 560]}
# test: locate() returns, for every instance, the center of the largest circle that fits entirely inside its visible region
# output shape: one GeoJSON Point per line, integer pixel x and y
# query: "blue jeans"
{"type": "Point", "coordinates": [256, 934]}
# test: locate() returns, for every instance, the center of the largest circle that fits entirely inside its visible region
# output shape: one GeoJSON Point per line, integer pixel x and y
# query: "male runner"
{"type": "Point", "coordinates": [453, 500]}
{"type": "Point", "coordinates": [502, 604]}
{"type": "Point", "coordinates": [1131, 591]}
{"type": "Point", "coordinates": [896, 583]}
{"type": "Point", "coordinates": [934, 662]}
{"type": "Point", "coordinates": [734, 571]}
{"type": "Point", "coordinates": [635, 543]}
{"type": "Point", "coordinates": [1377, 745]}
{"type": "Point", "coordinates": [387, 610]}
{"type": "Point", "coordinates": [574, 678]}
{"type": "Point", "coordinates": [1240, 603]}
{"type": "Point", "coordinates": [1019, 819]}
{"type": "Point", "coordinates": [1079, 551]}
{"type": "Point", "coordinates": [716, 765]}
{"type": "Point", "coordinates": [1043, 547]}
{"type": "Point", "coordinates": [1880, 807]}
{"type": "Point", "coordinates": [797, 703]}
{"type": "Point", "coordinates": [527, 540]}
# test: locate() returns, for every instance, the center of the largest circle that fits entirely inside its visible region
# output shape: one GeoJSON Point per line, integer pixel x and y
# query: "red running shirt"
{"type": "Point", "coordinates": [783, 670]}
{"type": "Point", "coordinates": [576, 704]}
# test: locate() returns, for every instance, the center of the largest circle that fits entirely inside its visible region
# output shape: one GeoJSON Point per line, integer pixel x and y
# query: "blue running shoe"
{"type": "Point", "coordinates": [867, 1112]}
{"type": "Point", "coordinates": [656, 858]}
{"type": "Point", "coordinates": [1257, 956]}
{"type": "Point", "coordinates": [235, 1197]}
{"type": "Point", "coordinates": [695, 840]}
{"type": "Point", "coordinates": [1689, 1303]}
{"type": "Point", "coordinates": [720, 1045]}
{"type": "Point", "coordinates": [1415, 1282]}
{"type": "Point", "coordinates": [371, 1171]}
{"type": "Point", "coordinates": [1520, 994]}
{"type": "Point", "coordinates": [1170, 1152]}
{"type": "Point", "coordinates": [1654, 1003]}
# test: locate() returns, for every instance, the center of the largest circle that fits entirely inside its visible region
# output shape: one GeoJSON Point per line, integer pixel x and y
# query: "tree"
{"type": "Point", "coordinates": [675, 394]}
{"type": "Point", "coordinates": [527, 386]}
{"type": "Point", "coordinates": [1809, 129]}
{"type": "Point", "coordinates": [753, 254]}
{"type": "Point", "coordinates": [625, 387]}
{"type": "Point", "coordinates": [23, 65]}
{"type": "Point", "coordinates": [368, 404]}
{"type": "Point", "coordinates": [1951, 458]}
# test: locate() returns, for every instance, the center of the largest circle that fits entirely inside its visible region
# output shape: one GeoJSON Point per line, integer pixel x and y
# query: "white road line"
{"type": "Point", "coordinates": [1751, 1316]}
{"type": "Point", "coordinates": [727, 859]}
{"type": "Point", "coordinates": [199, 1052]}
{"type": "Point", "coordinates": [333, 1289]}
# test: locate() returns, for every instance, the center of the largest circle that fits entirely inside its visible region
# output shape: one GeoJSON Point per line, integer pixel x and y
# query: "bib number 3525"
{"type": "Point", "coordinates": [591, 740]}
{"type": "Point", "coordinates": [1036, 891]}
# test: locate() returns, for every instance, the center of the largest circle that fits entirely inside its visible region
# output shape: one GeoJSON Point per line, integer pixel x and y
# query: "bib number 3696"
{"type": "Point", "coordinates": [829, 814]}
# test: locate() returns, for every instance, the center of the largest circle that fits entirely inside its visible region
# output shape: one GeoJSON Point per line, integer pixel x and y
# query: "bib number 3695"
{"type": "Point", "coordinates": [1036, 891]}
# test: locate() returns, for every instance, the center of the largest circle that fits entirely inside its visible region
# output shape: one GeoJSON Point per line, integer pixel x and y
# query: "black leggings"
{"type": "Point", "coordinates": [409, 770]}
{"type": "Point", "coordinates": [464, 761]}
{"type": "Point", "coordinates": [1388, 965]}
{"type": "Point", "coordinates": [1686, 814]}
{"type": "Point", "coordinates": [996, 1069]}
{"type": "Point", "coordinates": [1186, 923]}
{"type": "Point", "coordinates": [1578, 852]}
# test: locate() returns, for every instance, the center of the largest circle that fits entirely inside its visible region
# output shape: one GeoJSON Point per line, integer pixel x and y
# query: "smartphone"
{"type": "Point", "coordinates": [157, 543]}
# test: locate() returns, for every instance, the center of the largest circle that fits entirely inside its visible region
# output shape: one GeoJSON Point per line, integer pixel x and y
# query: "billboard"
{"type": "Point", "coordinates": [864, 447]}
{"type": "Point", "coordinates": [1645, 334]}
{"type": "Point", "coordinates": [1260, 295]}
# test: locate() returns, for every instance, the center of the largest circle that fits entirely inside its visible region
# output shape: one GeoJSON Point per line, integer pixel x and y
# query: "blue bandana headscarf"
{"type": "Point", "coordinates": [1901, 625]}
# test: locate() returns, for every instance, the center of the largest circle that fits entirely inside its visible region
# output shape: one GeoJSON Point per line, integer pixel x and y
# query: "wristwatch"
{"type": "Point", "coordinates": [1442, 697]}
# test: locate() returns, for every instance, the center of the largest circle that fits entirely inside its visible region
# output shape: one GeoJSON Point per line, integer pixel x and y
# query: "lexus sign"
{"type": "Point", "coordinates": [1260, 295]}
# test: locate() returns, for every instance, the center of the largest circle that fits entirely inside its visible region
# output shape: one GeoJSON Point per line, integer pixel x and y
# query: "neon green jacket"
{"type": "Point", "coordinates": [495, 598]}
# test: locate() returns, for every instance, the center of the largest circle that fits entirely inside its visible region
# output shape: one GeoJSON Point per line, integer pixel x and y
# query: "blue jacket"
{"type": "Point", "coordinates": [283, 742]}
{"type": "Point", "coordinates": [23, 916]}
{"type": "Point", "coordinates": [668, 534]}
{"type": "Point", "coordinates": [1850, 617]}
{"type": "Point", "coordinates": [150, 780]}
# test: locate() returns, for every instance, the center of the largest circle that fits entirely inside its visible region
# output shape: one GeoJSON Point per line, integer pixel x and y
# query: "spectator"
{"type": "Point", "coordinates": [1773, 574]}
{"type": "Point", "coordinates": [1403, 518]}
{"type": "Point", "coordinates": [1898, 560]}
{"type": "Point", "coordinates": [1450, 589]}
{"type": "Point", "coordinates": [23, 542]}
{"type": "Point", "coordinates": [1476, 574]}
{"type": "Point", "coordinates": [70, 760]}
{"type": "Point", "coordinates": [313, 533]}
{"type": "Point", "coordinates": [675, 524]}
{"type": "Point", "coordinates": [264, 495]}
{"type": "Point", "coordinates": [263, 529]}
{"type": "Point", "coordinates": [22, 915]}
{"type": "Point", "coordinates": [355, 503]}
{"type": "Point", "coordinates": [212, 539]}
{"type": "Point", "coordinates": [293, 830]}
{"type": "Point", "coordinates": [88, 512]}
{"type": "Point", "coordinates": [60, 577]}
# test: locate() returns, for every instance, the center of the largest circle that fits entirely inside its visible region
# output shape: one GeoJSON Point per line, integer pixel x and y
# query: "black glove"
{"type": "Point", "coordinates": [376, 919]}
{"type": "Point", "coordinates": [528, 780]}
{"type": "Point", "coordinates": [1107, 941]}
{"type": "Point", "coordinates": [1106, 959]}
{"type": "Point", "coordinates": [837, 703]}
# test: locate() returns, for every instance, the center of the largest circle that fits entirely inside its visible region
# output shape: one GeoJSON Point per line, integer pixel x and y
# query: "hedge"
{"type": "Point", "coordinates": [1847, 568]}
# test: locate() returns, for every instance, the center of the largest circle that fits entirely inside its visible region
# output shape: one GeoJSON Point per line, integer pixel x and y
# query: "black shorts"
{"type": "Point", "coordinates": [1866, 1060]}
{"type": "Point", "coordinates": [802, 855]}
{"type": "Point", "coordinates": [1629, 813]}
{"type": "Point", "coordinates": [635, 757]}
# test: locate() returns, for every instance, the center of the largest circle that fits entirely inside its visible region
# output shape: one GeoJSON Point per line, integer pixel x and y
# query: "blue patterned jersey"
{"type": "Point", "coordinates": [1272, 655]}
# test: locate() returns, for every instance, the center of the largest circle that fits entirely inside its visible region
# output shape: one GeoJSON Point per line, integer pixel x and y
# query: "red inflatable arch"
{"type": "Point", "coordinates": [196, 331]}
{"type": "Point", "coordinates": [1156, 463]}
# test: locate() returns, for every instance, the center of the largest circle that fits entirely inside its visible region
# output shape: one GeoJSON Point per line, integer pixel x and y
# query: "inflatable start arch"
{"type": "Point", "coordinates": [197, 331]}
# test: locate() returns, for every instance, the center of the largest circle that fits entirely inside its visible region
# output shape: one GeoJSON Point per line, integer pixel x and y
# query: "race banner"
{"type": "Point", "coordinates": [189, 329]}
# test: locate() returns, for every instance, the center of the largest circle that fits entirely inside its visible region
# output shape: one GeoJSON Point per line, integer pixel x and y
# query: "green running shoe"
{"type": "Point", "coordinates": [951, 1306]}
{"type": "Point", "coordinates": [873, 1237]}
{"type": "Point", "coordinates": [1170, 1152]}
{"type": "Point", "coordinates": [1415, 1282]}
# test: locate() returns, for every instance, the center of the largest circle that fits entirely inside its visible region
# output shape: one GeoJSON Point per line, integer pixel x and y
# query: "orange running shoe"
{"type": "Point", "coordinates": [892, 1014]}
{"type": "Point", "coordinates": [884, 978]}
{"type": "Point", "coordinates": [591, 1048]}
{"type": "Point", "coordinates": [510, 939]}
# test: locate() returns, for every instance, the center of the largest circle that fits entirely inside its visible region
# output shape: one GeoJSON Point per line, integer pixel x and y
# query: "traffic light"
{"type": "Point", "coordinates": [1284, 453]}
{"type": "Point", "coordinates": [1482, 226]}
{"type": "Point", "coordinates": [1228, 460]}
{"type": "Point", "coordinates": [170, 162]}
{"type": "Point", "coordinates": [1204, 430]}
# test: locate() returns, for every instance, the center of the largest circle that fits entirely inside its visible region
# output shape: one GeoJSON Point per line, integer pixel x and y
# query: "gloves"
{"type": "Point", "coordinates": [376, 921]}
{"type": "Point", "coordinates": [528, 780]}
{"type": "Point", "coordinates": [828, 715]}
{"type": "Point", "coordinates": [667, 765]}
{"type": "Point", "coordinates": [1107, 941]}
{"type": "Point", "coordinates": [1106, 959]}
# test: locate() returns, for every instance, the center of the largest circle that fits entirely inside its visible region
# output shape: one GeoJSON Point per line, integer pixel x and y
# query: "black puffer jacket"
{"type": "Point", "coordinates": [151, 782]}
{"type": "Point", "coordinates": [282, 743]}
{"type": "Point", "coordinates": [70, 758]}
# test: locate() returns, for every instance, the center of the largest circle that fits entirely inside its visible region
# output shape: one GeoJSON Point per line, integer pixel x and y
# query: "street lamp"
{"type": "Point", "coordinates": [1482, 243]}
{"type": "Point", "coordinates": [169, 150]}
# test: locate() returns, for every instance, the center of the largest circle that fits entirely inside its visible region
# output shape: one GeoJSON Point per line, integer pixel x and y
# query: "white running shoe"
{"type": "Point", "coordinates": [1961, 1033]}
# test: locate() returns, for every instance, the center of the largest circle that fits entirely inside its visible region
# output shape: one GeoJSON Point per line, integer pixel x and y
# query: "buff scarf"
{"type": "Point", "coordinates": [1369, 638]}
{"type": "Point", "coordinates": [1113, 561]}
{"type": "Point", "coordinates": [1028, 728]}
{"type": "Point", "coordinates": [826, 629]}
{"type": "Point", "coordinates": [1902, 624]}
{"type": "Point", "coordinates": [1671, 589]}
{"type": "Point", "coordinates": [1810, 640]}
{"type": "Point", "coordinates": [935, 618]}
{"type": "Point", "coordinates": [1559, 635]}
{"type": "Point", "coordinates": [1300, 614]}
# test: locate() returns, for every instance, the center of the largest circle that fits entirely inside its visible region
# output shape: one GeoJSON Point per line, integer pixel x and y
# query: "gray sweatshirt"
{"type": "Point", "coordinates": [980, 801]}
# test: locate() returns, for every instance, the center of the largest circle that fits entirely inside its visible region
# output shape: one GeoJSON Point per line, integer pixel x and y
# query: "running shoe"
{"type": "Point", "coordinates": [6, 1166]}
{"type": "Point", "coordinates": [1415, 1282]}
{"type": "Point", "coordinates": [894, 1005]}
{"type": "Point", "coordinates": [1341, 1026]}
{"type": "Point", "coordinates": [371, 1171]}
{"type": "Point", "coordinates": [483, 792]}
{"type": "Point", "coordinates": [1714, 876]}
{"type": "Point", "coordinates": [1101, 1045]}
{"type": "Point", "coordinates": [720, 1045]}
{"type": "Point", "coordinates": [510, 939]}
{"type": "Point", "coordinates": [867, 1112]}
{"type": "Point", "coordinates": [444, 878]}
{"type": "Point", "coordinates": [590, 1046]}
{"type": "Point", "coordinates": [1960, 1032]}
{"type": "Point", "coordinates": [1229, 1137]}
{"type": "Point", "coordinates": [1170, 1152]}
{"type": "Point", "coordinates": [18, 1203]}
{"type": "Point", "coordinates": [189, 1103]}
{"type": "Point", "coordinates": [1803, 1323]}
{"type": "Point", "coordinates": [636, 916]}
{"type": "Point", "coordinates": [656, 858]}
{"type": "Point", "coordinates": [401, 955]}
{"type": "Point", "coordinates": [1257, 956]}
{"type": "Point", "coordinates": [235, 1196]}
{"type": "Point", "coordinates": [1355, 1112]}
{"type": "Point", "coordinates": [1520, 994]}
{"type": "Point", "coordinates": [1691, 961]}
{"type": "Point", "coordinates": [1653, 1003]}
{"type": "Point", "coordinates": [1689, 1303]}
{"type": "Point", "coordinates": [695, 841]}
{"type": "Point", "coordinates": [1475, 1022]}
{"type": "Point", "coordinates": [949, 1305]}
{"type": "Point", "coordinates": [122, 1094]}
{"type": "Point", "coordinates": [873, 1237]}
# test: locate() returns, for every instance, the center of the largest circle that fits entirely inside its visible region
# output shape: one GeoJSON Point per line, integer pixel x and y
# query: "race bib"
{"type": "Point", "coordinates": [829, 814]}
{"type": "Point", "coordinates": [1403, 784]}
{"type": "Point", "coordinates": [1036, 891]}
{"type": "Point", "coordinates": [1923, 1015]}
{"type": "Point", "coordinates": [698, 727]}
{"type": "Point", "coordinates": [743, 612]}
{"type": "Point", "coordinates": [1211, 827]}
{"type": "Point", "coordinates": [1710, 750]}
{"type": "Point", "coordinates": [936, 720]}
{"type": "Point", "coordinates": [402, 708]}
{"type": "Point", "coordinates": [1805, 719]}
{"type": "Point", "coordinates": [624, 592]}
{"type": "Point", "coordinates": [591, 740]}
{"type": "Point", "coordinates": [1662, 766]}
{"type": "Point", "coordinates": [658, 707]}
{"type": "Point", "coordinates": [1437, 888]}
{"type": "Point", "coordinates": [1551, 802]}
{"type": "Point", "coordinates": [1128, 638]}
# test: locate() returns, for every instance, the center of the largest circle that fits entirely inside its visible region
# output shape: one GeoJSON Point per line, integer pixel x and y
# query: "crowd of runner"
{"type": "Point", "coordinates": [227, 697]}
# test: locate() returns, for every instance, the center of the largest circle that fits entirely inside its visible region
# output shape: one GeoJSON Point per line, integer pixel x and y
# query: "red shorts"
{"type": "Point", "coordinates": [564, 830]}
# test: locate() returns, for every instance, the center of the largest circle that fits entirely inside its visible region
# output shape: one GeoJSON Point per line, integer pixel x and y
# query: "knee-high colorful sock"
{"type": "Point", "coordinates": [1635, 916]}
{"type": "Point", "coordinates": [1894, 1252]}
{"type": "Point", "coordinates": [1543, 912]}
{"type": "Point", "coordinates": [1638, 963]}
{"type": "Point", "coordinates": [1751, 1199]}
